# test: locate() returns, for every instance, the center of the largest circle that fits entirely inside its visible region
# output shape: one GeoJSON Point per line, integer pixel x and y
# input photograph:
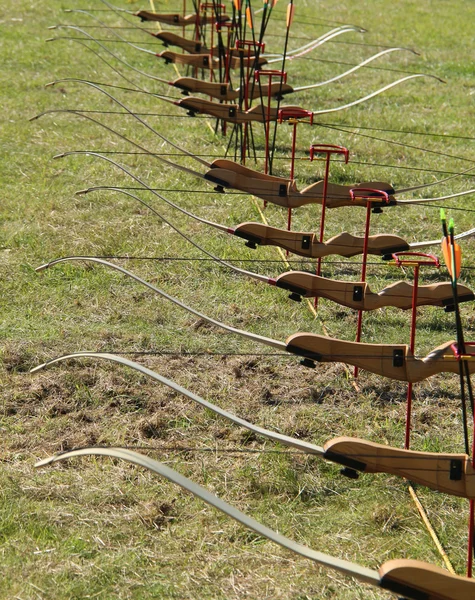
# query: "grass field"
{"type": "Point", "coordinates": [100, 529]}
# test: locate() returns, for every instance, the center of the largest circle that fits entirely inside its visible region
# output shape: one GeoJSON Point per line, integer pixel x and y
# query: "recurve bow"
{"type": "Point", "coordinates": [451, 474]}
{"type": "Point", "coordinates": [233, 114]}
{"type": "Point", "coordinates": [218, 90]}
{"type": "Point", "coordinates": [224, 91]}
{"type": "Point", "coordinates": [300, 243]}
{"type": "Point", "coordinates": [180, 20]}
{"type": "Point", "coordinates": [282, 191]}
{"type": "Point", "coordinates": [236, 59]}
{"type": "Point", "coordinates": [308, 285]}
{"type": "Point", "coordinates": [413, 579]}
{"type": "Point", "coordinates": [388, 360]}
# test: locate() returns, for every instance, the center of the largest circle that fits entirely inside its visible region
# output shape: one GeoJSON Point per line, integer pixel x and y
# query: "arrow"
{"type": "Point", "coordinates": [453, 258]}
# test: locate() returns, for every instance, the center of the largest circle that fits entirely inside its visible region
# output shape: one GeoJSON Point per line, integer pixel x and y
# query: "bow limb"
{"type": "Point", "coordinates": [460, 236]}
{"type": "Point", "coordinates": [286, 440]}
{"type": "Point", "coordinates": [439, 198]}
{"type": "Point", "coordinates": [438, 182]}
{"type": "Point", "coordinates": [111, 31]}
{"type": "Point", "coordinates": [246, 334]}
{"type": "Point", "coordinates": [412, 578]}
{"type": "Point", "coordinates": [92, 39]}
{"type": "Point", "coordinates": [187, 84]}
{"type": "Point", "coordinates": [376, 93]}
{"type": "Point", "coordinates": [135, 116]}
{"type": "Point", "coordinates": [79, 114]}
{"type": "Point", "coordinates": [430, 469]}
{"type": "Point", "coordinates": [343, 566]}
{"type": "Point", "coordinates": [115, 9]}
{"type": "Point", "coordinates": [353, 69]}
{"type": "Point", "coordinates": [323, 39]}
{"type": "Point", "coordinates": [133, 24]}
{"type": "Point", "coordinates": [119, 73]}
{"type": "Point", "coordinates": [149, 189]}
{"type": "Point", "coordinates": [111, 8]}
{"type": "Point", "coordinates": [220, 261]}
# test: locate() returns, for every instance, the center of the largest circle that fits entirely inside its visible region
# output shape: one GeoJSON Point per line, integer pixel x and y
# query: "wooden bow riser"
{"type": "Point", "coordinates": [228, 112]}
{"type": "Point", "coordinates": [360, 297]}
{"type": "Point", "coordinates": [224, 92]}
{"type": "Point", "coordinates": [220, 91]}
{"type": "Point", "coordinates": [423, 581]}
{"type": "Point", "coordinates": [448, 473]}
{"type": "Point", "coordinates": [193, 47]}
{"type": "Point", "coordinates": [209, 61]}
{"type": "Point", "coordinates": [283, 192]}
{"type": "Point", "coordinates": [307, 244]}
{"type": "Point", "coordinates": [276, 90]}
{"type": "Point", "coordinates": [180, 20]}
{"type": "Point", "coordinates": [392, 361]}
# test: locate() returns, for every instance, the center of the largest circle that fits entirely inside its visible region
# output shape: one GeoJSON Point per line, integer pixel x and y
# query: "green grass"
{"type": "Point", "coordinates": [101, 529]}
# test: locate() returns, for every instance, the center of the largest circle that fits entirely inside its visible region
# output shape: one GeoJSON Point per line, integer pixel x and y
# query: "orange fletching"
{"type": "Point", "coordinates": [448, 258]}
{"type": "Point", "coordinates": [290, 14]}
{"type": "Point", "coordinates": [249, 17]}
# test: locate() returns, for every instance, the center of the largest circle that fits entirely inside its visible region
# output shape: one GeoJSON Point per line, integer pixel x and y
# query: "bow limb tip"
{"type": "Point", "coordinates": [44, 267]}
{"type": "Point", "coordinates": [37, 368]}
{"type": "Point", "coordinates": [64, 154]}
